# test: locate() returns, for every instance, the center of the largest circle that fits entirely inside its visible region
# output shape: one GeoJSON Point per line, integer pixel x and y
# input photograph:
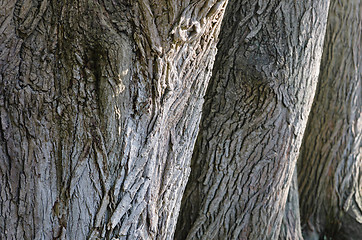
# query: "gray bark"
{"type": "Point", "coordinates": [255, 112]}
{"type": "Point", "coordinates": [330, 163]}
{"type": "Point", "coordinates": [100, 104]}
{"type": "Point", "coordinates": [290, 228]}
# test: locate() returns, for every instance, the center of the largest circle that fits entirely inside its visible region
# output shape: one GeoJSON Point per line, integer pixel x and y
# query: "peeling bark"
{"type": "Point", "coordinates": [100, 106]}
{"type": "Point", "coordinates": [256, 109]}
{"type": "Point", "coordinates": [330, 163]}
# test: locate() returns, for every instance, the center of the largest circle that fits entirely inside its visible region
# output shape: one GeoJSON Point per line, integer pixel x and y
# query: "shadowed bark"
{"type": "Point", "coordinates": [100, 106]}
{"type": "Point", "coordinates": [255, 113]}
{"type": "Point", "coordinates": [329, 167]}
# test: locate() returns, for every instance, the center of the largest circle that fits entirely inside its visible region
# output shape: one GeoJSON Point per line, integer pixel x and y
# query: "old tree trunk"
{"type": "Point", "coordinates": [100, 105]}
{"type": "Point", "coordinates": [256, 109]}
{"type": "Point", "coordinates": [330, 163]}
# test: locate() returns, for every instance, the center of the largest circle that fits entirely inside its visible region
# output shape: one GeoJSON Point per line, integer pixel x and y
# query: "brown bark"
{"type": "Point", "coordinates": [255, 112]}
{"type": "Point", "coordinates": [100, 105]}
{"type": "Point", "coordinates": [330, 163]}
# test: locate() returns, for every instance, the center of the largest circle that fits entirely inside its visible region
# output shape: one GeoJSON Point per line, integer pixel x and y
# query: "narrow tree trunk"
{"type": "Point", "coordinates": [330, 163]}
{"type": "Point", "coordinates": [100, 105]}
{"type": "Point", "coordinates": [255, 113]}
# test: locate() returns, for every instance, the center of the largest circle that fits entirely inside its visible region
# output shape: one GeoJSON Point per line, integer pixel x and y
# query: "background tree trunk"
{"type": "Point", "coordinates": [100, 105]}
{"type": "Point", "coordinates": [255, 113]}
{"type": "Point", "coordinates": [330, 162]}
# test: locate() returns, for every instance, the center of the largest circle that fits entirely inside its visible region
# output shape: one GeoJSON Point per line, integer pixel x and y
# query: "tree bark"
{"type": "Point", "coordinates": [100, 106]}
{"type": "Point", "coordinates": [256, 109]}
{"type": "Point", "coordinates": [290, 228]}
{"type": "Point", "coordinates": [330, 163]}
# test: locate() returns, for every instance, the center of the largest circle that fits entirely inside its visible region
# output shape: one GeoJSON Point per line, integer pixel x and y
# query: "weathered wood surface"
{"type": "Point", "coordinates": [255, 112]}
{"type": "Point", "coordinates": [100, 106]}
{"type": "Point", "coordinates": [330, 163]}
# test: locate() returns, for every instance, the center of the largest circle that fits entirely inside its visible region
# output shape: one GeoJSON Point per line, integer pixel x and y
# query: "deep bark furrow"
{"type": "Point", "coordinates": [254, 104]}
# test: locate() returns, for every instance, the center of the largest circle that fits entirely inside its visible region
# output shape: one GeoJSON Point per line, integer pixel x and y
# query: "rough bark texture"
{"type": "Point", "coordinates": [330, 163]}
{"type": "Point", "coordinates": [100, 104]}
{"type": "Point", "coordinates": [291, 227]}
{"type": "Point", "coordinates": [255, 113]}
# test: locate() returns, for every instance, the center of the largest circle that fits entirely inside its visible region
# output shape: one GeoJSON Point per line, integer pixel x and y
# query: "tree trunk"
{"type": "Point", "coordinates": [100, 106]}
{"type": "Point", "coordinates": [255, 113]}
{"type": "Point", "coordinates": [330, 163]}
{"type": "Point", "coordinates": [290, 228]}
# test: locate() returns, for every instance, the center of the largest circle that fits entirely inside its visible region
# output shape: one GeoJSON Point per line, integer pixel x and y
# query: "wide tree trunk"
{"type": "Point", "coordinates": [330, 163]}
{"type": "Point", "coordinates": [255, 113]}
{"type": "Point", "coordinates": [100, 104]}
